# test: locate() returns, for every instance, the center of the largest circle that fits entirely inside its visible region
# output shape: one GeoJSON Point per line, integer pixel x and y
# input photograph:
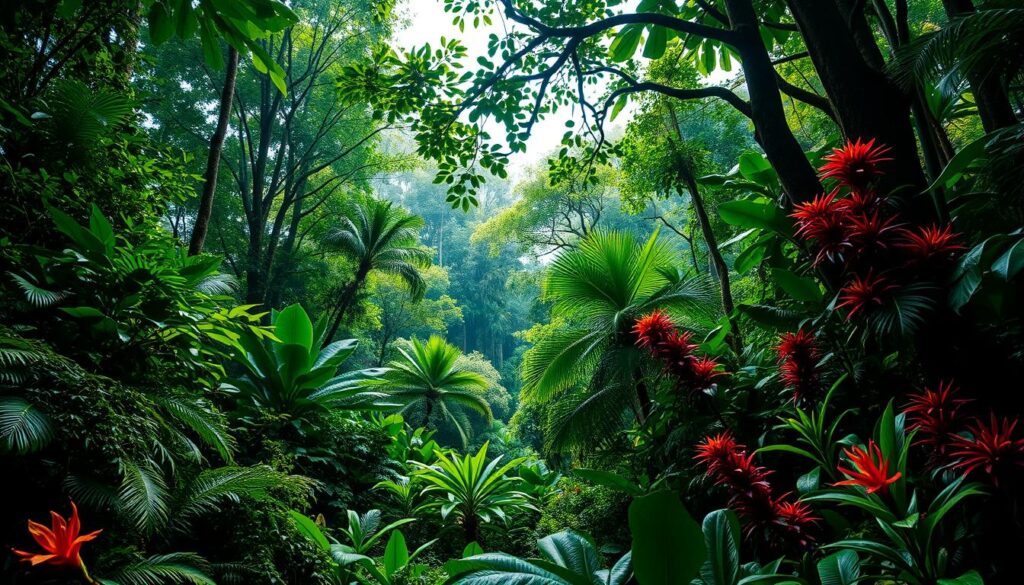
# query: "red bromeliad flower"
{"type": "Point", "coordinates": [702, 371]}
{"type": "Point", "coordinates": [861, 293]}
{"type": "Point", "coordinates": [992, 448]}
{"type": "Point", "coordinates": [62, 542]}
{"type": "Point", "coordinates": [856, 164]}
{"type": "Point", "coordinates": [715, 449]}
{"type": "Point", "coordinates": [798, 358]}
{"type": "Point", "coordinates": [871, 469]}
{"type": "Point", "coordinates": [795, 520]}
{"type": "Point", "coordinates": [729, 465]}
{"type": "Point", "coordinates": [652, 329]}
{"type": "Point", "coordinates": [935, 415]}
{"type": "Point", "coordinates": [872, 232]}
{"type": "Point", "coordinates": [927, 243]}
{"type": "Point", "coordinates": [811, 215]}
{"type": "Point", "coordinates": [860, 202]}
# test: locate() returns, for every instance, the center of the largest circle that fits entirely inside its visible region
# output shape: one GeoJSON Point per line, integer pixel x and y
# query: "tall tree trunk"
{"type": "Point", "coordinates": [993, 101]}
{"type": "Point", "coordinates": [202, 225]}
{"type": "Point", "coordinates": [796, 174]}
{"type": "Point", "coordinates": [866, 103]}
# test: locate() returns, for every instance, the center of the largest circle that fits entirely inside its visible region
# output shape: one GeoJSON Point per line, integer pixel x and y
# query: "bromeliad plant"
{"type": "Point", "coordinates": [921, 540]}
{"type": "Point", "coordinates": [393, 568]}
{"type": "Point", "coordinates": [471, 490]}
{"type": "Point", "coordinates": [289, 374]}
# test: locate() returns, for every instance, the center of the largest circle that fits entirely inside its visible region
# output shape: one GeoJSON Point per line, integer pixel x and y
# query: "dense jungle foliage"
{"type": "Point", "coordinates": [522, 292]}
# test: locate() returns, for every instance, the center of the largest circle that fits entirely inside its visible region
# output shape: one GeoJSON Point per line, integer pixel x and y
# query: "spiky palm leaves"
{"type": "Point", "coordinates": [430, 384]}
{"type": "Point", "coordinates": [587, 357]}
{"type": "Point", "coordinates": [377, 235]}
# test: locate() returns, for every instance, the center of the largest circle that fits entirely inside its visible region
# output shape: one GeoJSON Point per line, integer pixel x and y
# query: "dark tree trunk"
{"type": "Point", "coordinates": [797, 176]}
{"type": "Point", "coordinates": [993, 102]}
{"type": "Point", "coordinates": [345, 301]}
{"type": "Point", "coordinates": [866, 103]}
{"type": "Point", "coordinates": [202, 225]}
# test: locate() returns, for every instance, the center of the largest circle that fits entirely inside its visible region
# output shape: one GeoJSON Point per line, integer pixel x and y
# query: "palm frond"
{"type": "Point", "coordinates": [168, 569]}
{"type": "Point", "coordinates": [35, 293]}
{"type": "Point", "coordinates": [986, 42]}
{"type": "Point", "coordinates": [23, 427]}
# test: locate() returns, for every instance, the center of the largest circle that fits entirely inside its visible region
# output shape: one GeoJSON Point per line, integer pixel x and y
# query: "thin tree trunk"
{"type": "Point", "coordinates": [721, 268]}
{"type": "Point", "coordinates": [345, 300]}
{"type": "Point", "coordinates": [202, 225]}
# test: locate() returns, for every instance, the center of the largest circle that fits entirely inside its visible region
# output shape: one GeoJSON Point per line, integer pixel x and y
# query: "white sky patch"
{"type": "Point", "coordinates": [428, 22]}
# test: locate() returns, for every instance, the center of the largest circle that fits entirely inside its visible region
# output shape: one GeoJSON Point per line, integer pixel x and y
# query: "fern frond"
{"type": "Point", "coordinates": [144, 496]}
{"type": "Point", "coordinates": [209, 426]}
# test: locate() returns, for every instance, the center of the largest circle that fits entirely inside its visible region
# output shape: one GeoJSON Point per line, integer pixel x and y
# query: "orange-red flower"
{"type": "Point", "coordinates": [714, 449]}
{"type": "Point", "coordinates": [991, 449]}
{"type": "Point", "coordinates": [870, 469]}
{"type": "Point", "coordinates": [62, 541]}
{"type": "Point", "coordinates": [856, 164]}
{"type": "Point", "coordinates": [870, 232]}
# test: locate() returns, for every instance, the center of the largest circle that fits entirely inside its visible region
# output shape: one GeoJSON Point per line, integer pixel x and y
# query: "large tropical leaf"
{"type": "Point", "coordinates": [24, 428]}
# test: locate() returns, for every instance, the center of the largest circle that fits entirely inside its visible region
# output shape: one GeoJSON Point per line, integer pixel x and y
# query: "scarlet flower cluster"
{"type": "Point", "coordinates": [859, 231]}
{"type": "Point", "coordinates": [675, 350]}
{"type": "Point", "coordinates": [967, 445]}
{"type": "Point", "coordinates": [780, 519]}
{"type": "Point", "coordinates": [798, 355]}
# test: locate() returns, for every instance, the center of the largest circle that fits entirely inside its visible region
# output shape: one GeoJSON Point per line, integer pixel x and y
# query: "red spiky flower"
{"type": "Point", "coordinates": [750, 494]}
{"type": "Point", "coordinates": [715, 449]}
{"type": "Point", "coordinates": [810, 216]}
{"type": "Point", "coordinates": [795, 520]}
{"type": "Point", "coordinates": [857, 202]}
{"type": "Point", "coordinates": [870, 469]}
{"type": "Point", "coordinates": [863, 292]}
{"type": "Point", "coordinates": [935, 415]}
{"type": "Point", "coordinates": [798, 358]}
{"type": "Point", "coordinates": [927, 243]}
{"type": "Point", "coordinates": [653, 328]}
{"type": "Point", "coordinates": [991, 448]}
{"type": "Point", "coordinates": [856, 164]}
{"type": "Point", "coordinates": [702, 371]}
{"type": "Point", "coordinates": [870, 232]}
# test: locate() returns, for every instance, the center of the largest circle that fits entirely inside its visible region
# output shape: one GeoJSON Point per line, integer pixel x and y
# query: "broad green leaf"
{"type": "Point", "coordinates": [293, 326]}
{"type": "Point", "coordinates": [656, 40]}
{"type": "Point", "coordinates": [396, 553]}
{"type": "Point", "coordinates": [668, 545]}
{"type": "Point", "coordinates": [840, 568]}
{"type": "Point", "coordinates": [755, 214]}
{"type": "Point", "coordinates": [626, 43]}
{"type": "Point", "coordinates": [310, 530]}
{"type": "Point", "coordinates": [800, 288]}
{"type": "Point", "coordinates": [722, 539]}
{"type": "Point", "coordinates": [1011, 262]}
{"type": "Point", "coordinates": [969, 578]}
{"type": "Point", "coordinates": [609, 479]}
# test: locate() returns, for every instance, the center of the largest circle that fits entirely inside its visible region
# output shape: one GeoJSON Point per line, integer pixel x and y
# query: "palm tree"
{"type": "Point", "coordinates": [377, 235]}
{"type": "Point", "coordinates": [428, 379]}
{"type": "Point", "coordinates": [587, 358]}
